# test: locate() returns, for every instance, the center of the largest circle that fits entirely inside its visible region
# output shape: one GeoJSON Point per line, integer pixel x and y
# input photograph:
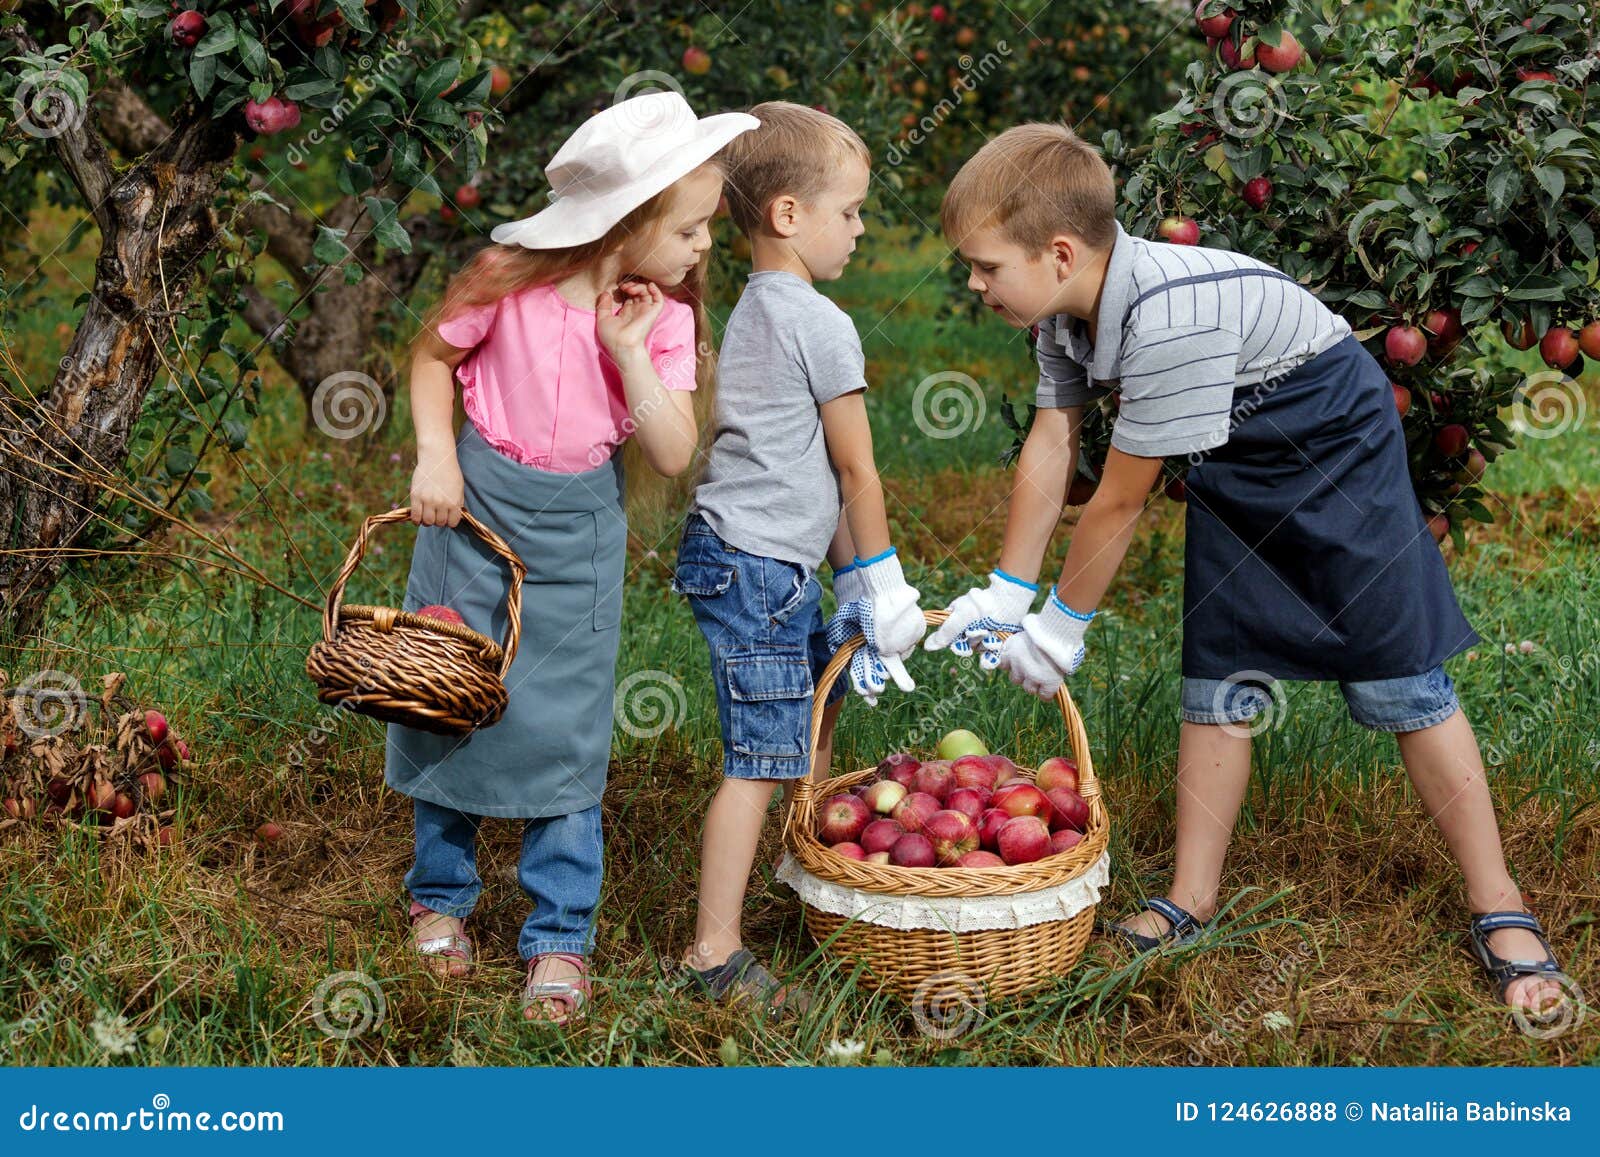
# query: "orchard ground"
{"type": "Point", "coordinates": [1343, 942]}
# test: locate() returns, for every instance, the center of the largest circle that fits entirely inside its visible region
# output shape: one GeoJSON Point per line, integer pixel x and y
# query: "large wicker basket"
{"type": "Point", "coordinates": [413, 669]}
{"type": "Point", "coordinates": [1005, 962]}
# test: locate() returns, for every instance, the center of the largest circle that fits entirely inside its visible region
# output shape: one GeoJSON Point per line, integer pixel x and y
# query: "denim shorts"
{"type": "Point", "coordinates": [1409, 703]}
{"type": "Point", "coordinates": [762, 619]}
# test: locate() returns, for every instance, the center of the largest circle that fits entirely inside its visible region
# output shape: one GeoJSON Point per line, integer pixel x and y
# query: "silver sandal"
{"type": "Point", "coordinates": [456, 946]}
{"type": "Point", "coordinates": [574, 994]}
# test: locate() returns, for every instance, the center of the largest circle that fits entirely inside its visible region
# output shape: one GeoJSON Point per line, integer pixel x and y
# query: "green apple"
{"type": "Point", "coordinates": [958, 743]}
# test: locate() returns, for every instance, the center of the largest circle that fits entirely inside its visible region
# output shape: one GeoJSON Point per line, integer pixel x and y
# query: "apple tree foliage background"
{"type": "Point", "coordinates": [1403, 138]}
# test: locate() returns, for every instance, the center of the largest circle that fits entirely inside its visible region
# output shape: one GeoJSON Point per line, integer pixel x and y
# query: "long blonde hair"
{"type": "Point", "coordinates": [498, 270]}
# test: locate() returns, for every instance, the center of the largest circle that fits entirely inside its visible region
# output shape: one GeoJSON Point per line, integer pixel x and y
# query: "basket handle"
{"type": "Point", "coordinates": [802, 807]}
{"type": "Point", "coordinates": [358, 550]}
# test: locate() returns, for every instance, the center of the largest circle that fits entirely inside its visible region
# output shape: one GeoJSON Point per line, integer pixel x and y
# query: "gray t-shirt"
{"type": "Point", "coordinates": [769, 487]}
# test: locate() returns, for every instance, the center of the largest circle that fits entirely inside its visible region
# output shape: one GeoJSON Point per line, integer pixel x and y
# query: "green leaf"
{"type": "Point", "coordinates": [386, 225]}
{"type": "Point", "coordinates": [180, 460]}
{"type": "Point", "coordinates": [202, 74]}
{"type": "Point", "coordinates": [237, 432]}
{"type": "Point", "coordinates": [1504, 187]}
{"type": "Point", "coordinates": [310, 90]}
{"type": "Point", "coordinates": [218, 40]}
{"type": "Point", "coordinates": [1551, 179]}
{"type": "Point", "coordinates": [435, 79]}
{"type": "Point", "coordinates": [329, 247]}
{"type": "Point", "coordinates": [354, 177]}
{"type": "Point", "coordinates": [253, 53]}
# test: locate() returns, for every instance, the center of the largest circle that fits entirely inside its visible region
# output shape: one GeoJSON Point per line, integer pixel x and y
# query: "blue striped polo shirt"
{"type": "Point", "coordinates": [1181, 326]}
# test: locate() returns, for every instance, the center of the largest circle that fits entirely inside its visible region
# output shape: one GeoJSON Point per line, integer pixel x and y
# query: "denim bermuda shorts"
{"type": "Point", "coordinates": [1409, 703]}
{"type": "Point", "coordinates": [762, 619]}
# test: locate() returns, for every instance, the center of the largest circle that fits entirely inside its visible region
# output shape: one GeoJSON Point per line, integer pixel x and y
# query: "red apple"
{"type": "Point", "coordinates": [442, 613]}
{"type": "Point", "coordinates": [980, 859]}
{"type": "Point", "coordinates": [969, 801]}
{"type": "Point", "coordinates": [164, 837]}
{"type": "Point", "coordinates": [1231, 56]}
{"type": "Point", "coordinates": [468, 197]}
{"type": "Point", "coordinates": [877, 857]}
{"type": "Point", "coordinates": [270, 116]}
{"type": "Point", "coordinates": [1402, 399]}
{"type": "Point", "coordinates": [183, 750]}
{"type": "Point", "coordinates": [1057, 771]}
{"type": "Point", "coordinates": [880, 835]}
{"type": "Point", "coordinates": [939, 14]}
{"type": "Point", "coordinates": [989, 825]}
{"type": "Point", "coordinates": [123, 806]}
{"type": "Point", "coordinates": [935, 779]}
{"type": "Point", "coordinates": [1589, 340]}
{"type": "Point", "coordinates": [1558, 347]}
{"type": "Point", "coordinates": [975, 771]}
{"type": "Point", "coordinates": [1524, 75]}
{"type": "Point", "coordinates": [1179, 231]}
{"type": "Point", "coordinates": [447, 213]}
{"type": "Point", "coordinates": [1405, 344]}
{"type": "Point", "coordinates": [1444, 329]}
{"type": "Point", "coordinates": [899, 767]}
{"type": "Point", "coordinates": [1023, 840]}
{"type": "Point", "coordinates": [884, 796]}
{"type": "Point", "coordinates": [1063, 839]}
{"type": "Point", "coordinates": [155, 726]}
{"type": "Point", "coordinates": [1519, 334]}
{"type": "Point", "coordinates": [1068, 809]}
{"type": "Point", "coordinates": [59, 790]}
{"type": "Point", "coordinates": [1022, 799]}
{"type": "Point", "coordinates": [20, 809]}
{"type": "Point", "coordinates": [1451, 440]}
{"type": "Point", "coordinates": [914, 810]}
{"type": "Point", "coordinates": [269, 833]}
{"type": "Point", "coordinates": [153, 784]}
{"type": "Point", "coordinates": [187, 28]}
{"type": "Point", "coordinates": [696, 60]}
{"type": "Point", "coordinates": [100, 796]}
{"type": "Point", "coordinates": [1004, 769]}
{"type": "Point", "coordinates": [850, 851]}
{"type": "Point", "coordinates": [1282, 56]}
{"type": "Point", "coordinates": [1218, 23]}
{"type": "Point", "coordinates": [1438, 526]}
{"type": "Point", "coordinates": [843, 818]}
{"type": "Point", "coordinates": [953, 835]}
{"type": "Point", "coordinates": [499, 80]}
{"type": "Point", "coordinates": [1473, 468]}
{"type": "Point", "coordinates": [1257, 192]}
{"type": "Point", "coordinates": [912, 850]}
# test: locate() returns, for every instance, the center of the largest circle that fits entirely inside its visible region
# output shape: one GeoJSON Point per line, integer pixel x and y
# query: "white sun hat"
{"type": "Point", "coordinates": [616, 161]}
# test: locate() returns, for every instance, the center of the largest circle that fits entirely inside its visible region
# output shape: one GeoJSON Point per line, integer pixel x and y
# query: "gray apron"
{"type": "Point", "coordinates": [547, 755]}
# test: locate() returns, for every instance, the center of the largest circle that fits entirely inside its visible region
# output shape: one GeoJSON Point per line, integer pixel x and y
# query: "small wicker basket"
{"type": "Point", "coordinates": [413, 669]}
{"type": "Point", "coordinates": [1004, 961]}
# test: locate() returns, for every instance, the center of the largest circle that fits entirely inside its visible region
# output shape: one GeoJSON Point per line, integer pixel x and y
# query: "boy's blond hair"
{"type": "Point", "coordinates": [1031, 183]}
{"type": "Point", "coordinates": [797, 150]}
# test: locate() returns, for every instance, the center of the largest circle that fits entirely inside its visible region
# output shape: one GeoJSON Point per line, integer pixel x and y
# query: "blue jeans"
{"type": "Point", "coordinates": [1409, 703]}
{"type": "Point", "coordinates": [762, 619]}
{"type": "Point", "coordinates": [560, 871]}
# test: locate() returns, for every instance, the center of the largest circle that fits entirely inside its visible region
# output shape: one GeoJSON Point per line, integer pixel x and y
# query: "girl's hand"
{"type": "Point", "coordinates": [437, 491]}
{"type": "Point", "coordinates": [622, 333]}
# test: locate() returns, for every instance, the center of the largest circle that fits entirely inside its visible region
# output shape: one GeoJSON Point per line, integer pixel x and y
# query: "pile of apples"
{"type": "Point", "coordinates": [965, 808]}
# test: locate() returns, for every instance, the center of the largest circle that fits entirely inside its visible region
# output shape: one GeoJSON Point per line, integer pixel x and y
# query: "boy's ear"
{"type": "Point", "coordinates": [781, 215]}
{"type": "Point", "coordinates": [1064, 252]}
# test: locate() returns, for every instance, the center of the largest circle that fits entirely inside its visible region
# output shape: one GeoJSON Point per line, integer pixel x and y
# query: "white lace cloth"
{"type": "Point", "coordinates": [950, 913]}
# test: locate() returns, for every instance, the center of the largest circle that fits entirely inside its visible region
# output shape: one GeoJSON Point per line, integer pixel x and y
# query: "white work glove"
{"type": "Point", "coordinates": [978, 614]}
{"type": "Point", "coordinates": [890, 619]}
{"type": "Point", "coordinates": [1048, 649]}
{"type": "Point", "coordinates": [870, 671]}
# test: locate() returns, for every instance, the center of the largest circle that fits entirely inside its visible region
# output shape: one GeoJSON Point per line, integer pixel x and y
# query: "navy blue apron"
{"type": "Point", "coordinates": [1307, 554]}
{"type": "Point", "coordinates": [548, 754]}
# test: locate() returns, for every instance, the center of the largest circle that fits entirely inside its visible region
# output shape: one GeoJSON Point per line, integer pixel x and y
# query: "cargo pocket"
{"type": "Point", "coordinates": [769, 708]}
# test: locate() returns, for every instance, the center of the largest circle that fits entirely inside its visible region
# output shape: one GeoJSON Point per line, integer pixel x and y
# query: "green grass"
{"type": "Point", "coordinates": [213, 950]}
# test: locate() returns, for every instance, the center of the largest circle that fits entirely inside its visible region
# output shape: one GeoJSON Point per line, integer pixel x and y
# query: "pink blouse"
{"type": "Point", "coordinates": [541, 389]}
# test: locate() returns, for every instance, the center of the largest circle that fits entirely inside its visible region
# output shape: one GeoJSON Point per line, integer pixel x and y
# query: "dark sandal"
{"type": "Point", "coordinates": [742, 977]}
{"type": "Point", "coordinates": [1185, 927]}
{"type": "Point", "coordinates": [572, 994]}
{"type": "Point", "coordinates": [1502, 971]}
{"type": "Point", "coordinates": [457, 946]}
